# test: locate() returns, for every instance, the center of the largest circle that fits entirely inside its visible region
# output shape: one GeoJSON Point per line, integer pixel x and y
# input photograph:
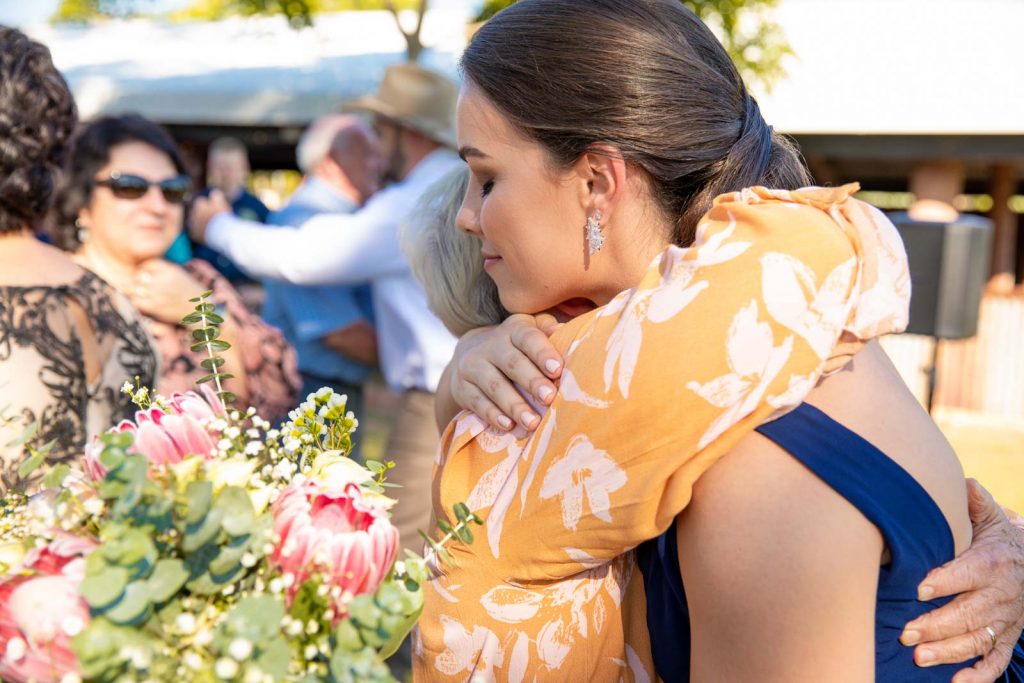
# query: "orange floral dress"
{"type": "Point", "coordinates": [778, 289]}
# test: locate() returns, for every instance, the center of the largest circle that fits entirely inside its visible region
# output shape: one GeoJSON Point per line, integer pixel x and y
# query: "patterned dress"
{"type": "Point", "coordinates": [779, 288]}
{"type": "Point", "coordinates": [46, 332]}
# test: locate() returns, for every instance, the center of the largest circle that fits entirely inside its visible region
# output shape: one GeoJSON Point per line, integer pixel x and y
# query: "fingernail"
{"type": "Point", "coordinates": [925, 592]}
{"type": "Point", "coordinates": [528, 419]}
{"type": "Point", "coordinates": [552, 365]}
{"type": "Point", "coordinates": [505, 422]}
{"type": "Point", "coordinates": [545, 393]}
{"type": "Point", "coordinates": [910, 638]}
{"type": "Point", "coordinates": [924, 657]}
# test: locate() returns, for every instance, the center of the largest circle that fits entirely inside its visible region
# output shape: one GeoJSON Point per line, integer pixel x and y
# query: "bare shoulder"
{"type": "Point", "coordinates": [781, 572]}
{"type": "Point", "coordinates": [27, 263]}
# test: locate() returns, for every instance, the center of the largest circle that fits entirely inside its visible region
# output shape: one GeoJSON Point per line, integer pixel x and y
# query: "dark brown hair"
{"type": "Point", "coordinates": [91, 152]}
{"type": "Point", "coordinates": [646, 77]}
{"type": "Point", "coordinates": [37, 116]}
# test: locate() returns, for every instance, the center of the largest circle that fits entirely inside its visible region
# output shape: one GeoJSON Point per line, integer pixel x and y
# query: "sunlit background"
{"type": "Point", "coordinates": [914, 99]}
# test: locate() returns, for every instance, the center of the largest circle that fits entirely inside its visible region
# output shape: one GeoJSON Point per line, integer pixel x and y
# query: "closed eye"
{"type": "Point", "coordinates": [486, 188]}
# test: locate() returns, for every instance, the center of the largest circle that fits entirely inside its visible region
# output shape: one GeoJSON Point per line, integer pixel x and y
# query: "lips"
{"type": "Point", "coordinates": [489, 259]}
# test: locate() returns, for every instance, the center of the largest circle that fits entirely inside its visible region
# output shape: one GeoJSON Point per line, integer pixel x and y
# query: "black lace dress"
{"type": "Point", "coordinates": [47, 333]}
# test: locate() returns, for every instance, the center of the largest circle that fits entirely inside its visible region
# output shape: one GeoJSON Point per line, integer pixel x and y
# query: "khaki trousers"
{"type": "Point", "coordinates": [412, 445]}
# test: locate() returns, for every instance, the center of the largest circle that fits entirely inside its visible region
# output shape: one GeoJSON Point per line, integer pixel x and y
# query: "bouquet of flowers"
{"type": "Point", "coordinates": [200, 543]}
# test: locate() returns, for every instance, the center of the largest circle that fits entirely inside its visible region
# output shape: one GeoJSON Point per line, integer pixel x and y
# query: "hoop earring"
{"type": "Point", "coordinates": [595, 238]}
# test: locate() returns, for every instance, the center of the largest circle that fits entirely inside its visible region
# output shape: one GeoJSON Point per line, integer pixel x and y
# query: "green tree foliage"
{"type": "Point", "coordinates": [756, 44]}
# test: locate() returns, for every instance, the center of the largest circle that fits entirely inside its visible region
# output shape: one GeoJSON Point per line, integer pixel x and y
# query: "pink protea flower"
{"type": "Point", "coordinates": [334, 532]}
{"type": "Point", "coordinates": [164, 438]}
{"type": "Point", "coordinates": [204, 407]}
{"type": "Point", "coordinates": [41, 610]}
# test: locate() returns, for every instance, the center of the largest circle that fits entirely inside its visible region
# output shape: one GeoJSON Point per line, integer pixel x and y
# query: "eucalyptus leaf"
{"type": "Point", "coordinates": [198, 496]}
{"type": "Point", "coordinates": [275, 658]}
{"type": "Point", "coordinates": [55, 477]}
{"type": "Point", "coordinates": [24, 437]}
{"type": "Point", "coordinates": [168, 576]}
{"type": "Point", "coordinates": [257, 617]}
{"type": "Point", "coordinates": [205, 334]}
{"type": "Point", "coordinates": [462, 512]}
{"type": "Point", "coordinates": [192, 319]}
{"type": "Point", "coordinates": [30, 464]}
{"type": "Point", "coordinates": [214, 319]}
{"type": "Point", "coordinates": [212, 363]}
{"type": "Point", "coordinates": [239, 515]}
{"type": "Point", "coordinates": [133, 605]}
{"type": "Point", "coordinates": [104, 588]}
{"type": "Point", "coordinates": [202, 532]}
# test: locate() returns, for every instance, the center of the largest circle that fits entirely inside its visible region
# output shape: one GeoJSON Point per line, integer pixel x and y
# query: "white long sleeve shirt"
{"type": "Point", "coordinates": [354, 248]}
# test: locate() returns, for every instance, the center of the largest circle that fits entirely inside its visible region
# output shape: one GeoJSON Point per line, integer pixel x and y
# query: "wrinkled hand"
{"type": "Point", "coordinates": [988, 580]}
{"type": "Point", "coordinates": [162, 291]}
{"type": "Point", "coordinates": [488, 363]}
{"type": "Point", "coordinates": [203, 211]}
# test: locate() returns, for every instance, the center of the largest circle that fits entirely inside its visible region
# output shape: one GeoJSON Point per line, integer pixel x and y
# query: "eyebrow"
{"type": "Point", "coordinates": [471, 152]}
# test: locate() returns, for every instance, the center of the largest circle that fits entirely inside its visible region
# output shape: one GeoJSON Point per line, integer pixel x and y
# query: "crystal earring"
{"type": "Point", "coordinates": [595, 238]}
{"type": "Point", "coordinates": [83, 232]}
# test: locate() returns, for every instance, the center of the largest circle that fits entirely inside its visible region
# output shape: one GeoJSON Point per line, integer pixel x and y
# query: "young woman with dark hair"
{"type": "Point", "coordinates": [597, 134]}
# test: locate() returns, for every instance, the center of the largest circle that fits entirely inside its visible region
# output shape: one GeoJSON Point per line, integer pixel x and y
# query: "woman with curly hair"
{"type": "Point", "coordinates": [120, 209]}
{"type": "Point", "coordinates": [67, 340]}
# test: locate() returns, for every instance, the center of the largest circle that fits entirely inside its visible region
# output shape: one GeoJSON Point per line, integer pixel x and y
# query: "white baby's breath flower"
{"type": "Point", "coordinates": [288, 579]}
{"type": "Point", "coordinates": [248, 560]}
{"type": "Point", "coordinates": [253, 448]}
{"type": "Point", "coordinates": [232, 432]}
{"type": "Point", "coordinates": [204, 637]}
{"type": "Point", "coordinates": [225, 668]}
{"type": "Point", "coordinates": [192, 660]}
{"type": "Point", "coordinates": [276, 585]}
{"type": "Point", "coordinates": [273, 434]}
{"type": "Point", "coordinates": [72, 625]}
{"type": "Point", "coordinates": [240, 649]}
{"type": "Point", "coordinates": [313, 627]}
{"type": "Point", "coordinates": [16, 649]}
{"type": "Point", "coordinates": [224, 445]}
{"type": "Point", "coordinates": [94, 506]}
{"type": "Point", "coordinates": [71, 678]}
{"type": "Point", "coordinates": [310, 651]}
{"type": "Point", "coordinates": [185, 623]}
{"type": "Point", "coordinates": [294, 628]}
{"type": "Point", "coordinates": [127, 387]}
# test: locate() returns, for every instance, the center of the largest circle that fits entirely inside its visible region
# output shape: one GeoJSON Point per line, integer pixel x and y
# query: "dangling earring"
{"type": "Point", "coordinates": [595, 238]}
{"type": "Point", "coordinates": [83, 232]}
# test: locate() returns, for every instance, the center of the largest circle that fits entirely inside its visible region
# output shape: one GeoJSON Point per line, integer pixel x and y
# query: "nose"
{"type": "Point", "coordinates": [154, 200]}
{"type": "Point", "coordinates": [467, 220]}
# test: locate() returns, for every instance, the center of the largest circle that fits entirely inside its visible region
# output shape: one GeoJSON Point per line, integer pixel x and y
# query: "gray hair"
{"type": "Point", "coordinates": [316, 141]}
{"type": "Point", "coordinates": [447, 262]}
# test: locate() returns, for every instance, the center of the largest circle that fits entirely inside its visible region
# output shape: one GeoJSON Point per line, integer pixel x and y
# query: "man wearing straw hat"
{"type": "Point", "coordinates": [414, 115]}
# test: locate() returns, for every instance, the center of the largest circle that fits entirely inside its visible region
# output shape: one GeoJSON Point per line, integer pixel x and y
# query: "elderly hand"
{"type": "Point", "coordinates": [988, 580]}
{"type": "Point", "coordinates": [204, 209]}
{"type": "Point", "coordinates": [161, 290]}
{"type": "Point", "coordinates": [488, 363]}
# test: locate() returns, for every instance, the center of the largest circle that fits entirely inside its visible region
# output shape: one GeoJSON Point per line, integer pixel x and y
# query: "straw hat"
{"type": "Point", "coordinates": [417, 98]}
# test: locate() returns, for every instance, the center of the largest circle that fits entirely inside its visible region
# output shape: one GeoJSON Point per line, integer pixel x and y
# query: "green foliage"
{"type": "Point", "coordinates": [207, 338]}
{"type": "Point", "coordinates": [299, 13]}
{"type": "Point", "coordinates": [756, 44]}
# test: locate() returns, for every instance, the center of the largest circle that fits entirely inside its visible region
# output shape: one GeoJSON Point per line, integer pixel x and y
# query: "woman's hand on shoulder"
{"type": "Point", "coordinates": [162, 290]}
{"type": "Point", "coordinates": [490, 362]}
{"type": "Point", "coordinates": [988, 580]}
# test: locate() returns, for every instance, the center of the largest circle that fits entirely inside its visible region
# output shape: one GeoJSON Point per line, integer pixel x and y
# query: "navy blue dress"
{"type": "Point", "coordinates": [914, 529]}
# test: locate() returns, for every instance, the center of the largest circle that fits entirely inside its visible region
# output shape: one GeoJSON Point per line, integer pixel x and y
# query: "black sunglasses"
{"type": "Point", "coordinates": [125, 186]}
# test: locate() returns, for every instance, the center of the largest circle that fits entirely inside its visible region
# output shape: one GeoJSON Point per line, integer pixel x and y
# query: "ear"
{"type": "Point", "coordinates": [604, 173]}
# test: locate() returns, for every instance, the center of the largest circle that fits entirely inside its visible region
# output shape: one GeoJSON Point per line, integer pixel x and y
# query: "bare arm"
{"type": "Point", "coordinates": [783, 587]}
{"type": "Point", "coordinates": [357, 341]}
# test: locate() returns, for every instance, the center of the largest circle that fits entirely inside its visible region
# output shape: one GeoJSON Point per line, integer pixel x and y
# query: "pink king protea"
{"type": "Point", "coordinates": [337, 533]}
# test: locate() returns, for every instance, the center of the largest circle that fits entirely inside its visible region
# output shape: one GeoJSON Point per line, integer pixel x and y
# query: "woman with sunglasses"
{"type": "Point", "coordinates": [122, 207]}
{"type": "Point", "coordinates": [67, 340]}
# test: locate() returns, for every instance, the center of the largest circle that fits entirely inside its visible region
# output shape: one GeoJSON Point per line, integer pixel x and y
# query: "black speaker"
{"type": "Point", "coordinates": [949, 264]}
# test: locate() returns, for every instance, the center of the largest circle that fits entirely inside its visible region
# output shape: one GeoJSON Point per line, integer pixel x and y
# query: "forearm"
{"type": "Point", "coordinates": [445, 408]}
{"type": "Point", "coordinates": [326, 250]}
{"type": "Point", "coordinates": [357, 342]}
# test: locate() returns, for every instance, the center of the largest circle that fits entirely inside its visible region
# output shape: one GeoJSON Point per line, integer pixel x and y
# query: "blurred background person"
{"type": "Point", "coordinates": [330, 326]}
{"type": "Point", "coordinates": [227, 170]}
{"type": "Point", "coordinates": [414, 117]}
{"type": "Point", "coordinates": [122, 206]}
{"type": "Point", "coordinates": [67, 340]}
